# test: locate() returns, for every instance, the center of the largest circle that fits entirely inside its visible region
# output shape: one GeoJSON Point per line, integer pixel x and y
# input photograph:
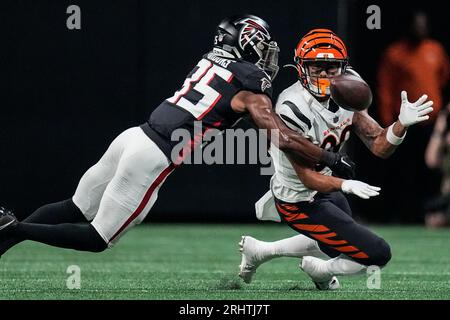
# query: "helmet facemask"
{"type": "Point", "coordinates": [315, 80]}
{"type": "Point", "coordinates": [269, 58]}
{"type": "Point", "coordinates": [265, 55]}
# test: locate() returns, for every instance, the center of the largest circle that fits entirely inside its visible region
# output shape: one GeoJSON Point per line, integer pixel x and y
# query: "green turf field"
{"type": "Point", "coordinates": [195, 261]}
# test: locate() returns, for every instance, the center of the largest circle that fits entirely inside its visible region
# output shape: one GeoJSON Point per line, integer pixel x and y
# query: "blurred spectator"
{"type": "Point", "coordinates": [437, 156]}
{"type": "Point", "coordinates": [418, 65]}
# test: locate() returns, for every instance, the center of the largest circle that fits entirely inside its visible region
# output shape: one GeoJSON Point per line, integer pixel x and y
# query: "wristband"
{"type": "Point", "coordinates": [392, 138]}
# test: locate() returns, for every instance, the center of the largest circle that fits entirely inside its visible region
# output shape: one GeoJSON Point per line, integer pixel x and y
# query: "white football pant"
{"type": "Point", "coordinates": [119, 190]}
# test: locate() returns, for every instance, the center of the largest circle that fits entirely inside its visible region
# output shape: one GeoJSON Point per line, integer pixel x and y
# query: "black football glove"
{"type": "Point", "coordinates": [341, 164]}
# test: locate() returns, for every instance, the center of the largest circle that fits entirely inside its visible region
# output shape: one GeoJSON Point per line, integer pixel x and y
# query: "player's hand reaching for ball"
{"type": "Point", "coordinates": [412, 113]}
{"type": "Point", "coordinates": [360, 189]}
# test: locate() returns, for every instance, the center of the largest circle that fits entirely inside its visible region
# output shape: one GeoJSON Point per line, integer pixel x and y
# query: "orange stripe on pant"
{"type": "Point", "coordinates": [311, 227]}
{"type": "Point", "coordinates": [289, 216]}
{"type": "Point", "coordinates": [347, 249]}
{"type": "Point", "coordinates": [290, 207]}
{"type": "Point", "coordinates": [324, 238]}
{"type": "Point", "coordinates": [312, 230]}
{"type": "Point", "coordinates": [296, 216]}
{"type": "Point", "coordinates": [360, 255]}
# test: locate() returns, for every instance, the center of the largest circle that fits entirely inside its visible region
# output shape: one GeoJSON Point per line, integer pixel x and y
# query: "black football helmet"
{"type": "Point", "coordinates": [247, 37]}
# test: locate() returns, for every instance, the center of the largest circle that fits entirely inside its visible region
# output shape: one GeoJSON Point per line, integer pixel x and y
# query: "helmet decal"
{"type": "Point", "coordinates": [252, 29]}
{"type": "Point", "coordinates": [247, 37]}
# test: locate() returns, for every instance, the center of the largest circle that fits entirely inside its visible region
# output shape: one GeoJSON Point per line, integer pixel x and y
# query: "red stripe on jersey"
{"type": "Point", "coordinates": [144, 201]}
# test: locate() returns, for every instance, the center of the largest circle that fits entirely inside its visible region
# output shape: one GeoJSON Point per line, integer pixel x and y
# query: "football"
{"type": "Point", "coordinates": [351, 92]}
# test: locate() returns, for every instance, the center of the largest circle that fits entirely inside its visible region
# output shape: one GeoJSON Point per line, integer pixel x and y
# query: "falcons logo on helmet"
{"type": "Point", "coordinates": [250, 30]}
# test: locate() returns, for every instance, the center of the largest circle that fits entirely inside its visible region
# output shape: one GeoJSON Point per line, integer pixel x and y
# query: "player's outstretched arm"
{"type": "Point", "coordinates": [374, 136]}
{"type": "Point", "coordinates": [383, 141]}
{"type": "Point", "coordinates": [260, 108]}
{"type": "Point", "coordinates": [325, 184]}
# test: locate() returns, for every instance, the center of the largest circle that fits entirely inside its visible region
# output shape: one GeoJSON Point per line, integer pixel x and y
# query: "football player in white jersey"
{"type": "Point", "coordinates": [311, 200]}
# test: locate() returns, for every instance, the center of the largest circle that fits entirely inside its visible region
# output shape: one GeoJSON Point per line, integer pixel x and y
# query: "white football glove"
{"type": "Point", "coordinates": [412, 113]}
{"type": "Point", "coordinates": [360, 189]}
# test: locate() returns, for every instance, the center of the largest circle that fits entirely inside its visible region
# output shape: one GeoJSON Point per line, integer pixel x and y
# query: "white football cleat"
{"type": "Point", "coordinates": [251, 258]}
{"type": "Point", "coordinates": [315, 269]}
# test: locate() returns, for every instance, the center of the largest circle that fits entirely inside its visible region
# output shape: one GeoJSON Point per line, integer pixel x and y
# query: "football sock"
{"type": "Point", "coordinates": [296, 246]}
{"type": "Point", "coordinates": [81, 237]}
{"type": "Point", "coordinates": [344, 266]}
{"type": "Point", "coordinates": [60, 212]}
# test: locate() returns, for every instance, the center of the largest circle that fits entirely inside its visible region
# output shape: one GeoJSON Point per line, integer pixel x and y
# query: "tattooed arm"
{"type": "Point", "coordinates": [383, 142]}
{"type": "Point", "coordinates": [374, 136]}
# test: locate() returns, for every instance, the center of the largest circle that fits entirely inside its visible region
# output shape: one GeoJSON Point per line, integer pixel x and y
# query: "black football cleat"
{"type": "Point", "coordinates": [7, 219]}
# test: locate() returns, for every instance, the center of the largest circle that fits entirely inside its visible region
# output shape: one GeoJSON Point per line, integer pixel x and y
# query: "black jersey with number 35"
{"type": "Point", "coordinates": [205, 96]}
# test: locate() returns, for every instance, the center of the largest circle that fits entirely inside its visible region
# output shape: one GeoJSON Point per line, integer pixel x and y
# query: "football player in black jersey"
{"type": "Point", "coordinates": [233, 79]}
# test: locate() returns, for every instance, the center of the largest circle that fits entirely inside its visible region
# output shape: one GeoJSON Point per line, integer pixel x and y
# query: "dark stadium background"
{"type": "Point", "coordinates": [66, 94]}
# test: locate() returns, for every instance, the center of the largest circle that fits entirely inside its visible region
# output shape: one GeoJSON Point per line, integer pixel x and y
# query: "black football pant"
{"type": "Point", "coordinates": [328, 220]}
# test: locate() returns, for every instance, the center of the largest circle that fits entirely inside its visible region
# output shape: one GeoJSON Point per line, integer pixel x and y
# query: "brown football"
{"type": "Point", "coordinates": [351, 92]}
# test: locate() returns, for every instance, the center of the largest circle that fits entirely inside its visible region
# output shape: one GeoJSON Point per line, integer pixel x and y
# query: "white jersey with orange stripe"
{"type": "Point", "coordinates": [323, 123]}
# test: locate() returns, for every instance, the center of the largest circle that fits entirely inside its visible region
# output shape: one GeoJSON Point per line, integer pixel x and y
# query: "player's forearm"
{"type": "Point", "coordinates": [321, 183]}
{"type": "Point", "coordinates": [381, 147]}
{"type": "Point", "coordinates": [314, 180]}
{"type": "Point", "coordinates": [374, 136]}
{"type": "Point", "coordinates": [283, 137]}
{"type": "Point", "coordinates": [303, 148]}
